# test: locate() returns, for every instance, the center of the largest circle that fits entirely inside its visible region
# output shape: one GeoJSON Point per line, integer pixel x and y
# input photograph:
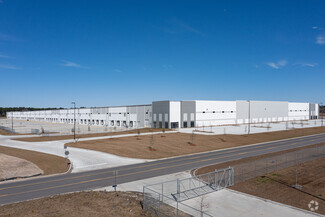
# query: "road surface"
{"type": "Point", "coordinates": [16, 191]}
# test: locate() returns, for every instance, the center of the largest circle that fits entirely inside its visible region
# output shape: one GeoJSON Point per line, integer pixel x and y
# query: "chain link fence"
{"type": "Point", "coordinates": [7, 129]}
{"type": "Point", "coordinates": [166, 199]}
{"type": "Point", "coordinates": [267, 165]}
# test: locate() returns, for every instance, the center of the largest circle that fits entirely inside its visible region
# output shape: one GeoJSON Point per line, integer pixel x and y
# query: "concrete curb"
{"type": "Point", "coordinates": [243, 146]}
{"type": "Point", "coordinates": [40, 176]}
{"type": "Point", "coordinates": [20, 177]}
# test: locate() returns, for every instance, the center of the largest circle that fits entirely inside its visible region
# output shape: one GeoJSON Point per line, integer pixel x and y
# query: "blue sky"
{"type": "Point", "coordinates": [100, 53]}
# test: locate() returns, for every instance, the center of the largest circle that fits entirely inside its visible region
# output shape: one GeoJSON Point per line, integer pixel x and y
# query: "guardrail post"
{"type": "Point", "coordinates": [162, 192]}
{"type": "Point", "coordinates": [215, 178]}
{"type": "Point", "coordinates": [159, 205]}
{"type": "Point", "coordinates": [143, 202]}
{"type": "Point", "coordinates": [178, 190]}
{"type": "Point", "coordinates": [229, 176]}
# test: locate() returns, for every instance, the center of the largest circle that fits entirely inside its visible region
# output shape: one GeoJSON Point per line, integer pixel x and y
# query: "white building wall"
{"type": "Point", "coordinates": [110, 116]}
{"type": "Point", "coordinates": [215, 113]}
{"type": "Point", "coordinates": [185, 113]}
{"type": "Point", "coordinates": [298, 111]}
{"type": "Point", "coordinates": [175, 112]}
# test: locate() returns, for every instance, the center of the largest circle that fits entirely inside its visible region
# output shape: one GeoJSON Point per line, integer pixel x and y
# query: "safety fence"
{"type": "Point", "coordinates": [167, 198]}
{"type": "Point", "coordinates": [7, 129]}
{"type": "Point", "coordinates": [267, 165]}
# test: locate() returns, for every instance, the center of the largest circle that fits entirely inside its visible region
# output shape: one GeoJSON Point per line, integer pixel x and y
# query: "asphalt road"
{"type": "Point", "coordinates": [16, 191]}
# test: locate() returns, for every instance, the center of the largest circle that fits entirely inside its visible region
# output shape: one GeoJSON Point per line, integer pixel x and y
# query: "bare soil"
{"type": "Point", "coordinates": [79, 205]}
{"type": "Point", "coordinates": [66, 137]}
{"type": "Point", "coordinates": [6, 133]}
{"type": "Point", "coordinates": [82, 204]}
{"type": "Point", "coordinates": [211, 168]}
{"type": "Point", "coordinates": [50, 164]}
{"type": "Point", "coordinates": [13, 167]}
{"type": "Point", "coordinates": [277, 186]}
{"type": "Point", "coordinates": [175, 144]}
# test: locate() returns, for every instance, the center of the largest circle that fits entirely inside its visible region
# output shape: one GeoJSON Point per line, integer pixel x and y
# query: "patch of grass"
{"type": "Point", "coordinates": [263, 180]}
{"type": "Point", "coordinates": [276, 174]}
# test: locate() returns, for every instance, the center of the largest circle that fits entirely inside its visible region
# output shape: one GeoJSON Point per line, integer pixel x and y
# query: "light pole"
{"type": "Point", "coordinates": [320, 112]}
{"type": "Point", "coordinates": [74, 122]}
{"type": "Point", "coordinates": [249, 116]}
{"type": "Point", "coordinates": [12, 121]}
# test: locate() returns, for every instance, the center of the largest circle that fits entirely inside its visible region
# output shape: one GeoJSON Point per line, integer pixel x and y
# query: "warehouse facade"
{"type": "Point", "coordinates": [177, 114]}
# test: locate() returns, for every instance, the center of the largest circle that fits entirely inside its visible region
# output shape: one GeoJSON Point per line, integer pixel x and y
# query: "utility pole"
{"type": "Point", "coordinates": [74, 122]}
{"type": "Point", "coordinates": [320, 111]}
{"type": "Point", "coordinates": [249, 116]}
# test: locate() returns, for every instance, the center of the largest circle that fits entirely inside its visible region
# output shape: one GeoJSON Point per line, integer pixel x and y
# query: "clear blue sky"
{"type": "Point", "coordinates": [100, 53]}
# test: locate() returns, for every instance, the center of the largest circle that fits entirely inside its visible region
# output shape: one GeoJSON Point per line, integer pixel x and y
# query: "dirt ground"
{"type": "Point", "coordinates": [65, 137]}
{"type": "Point", "coordinates": [5, 133]}
{"type": "Point", "coordinates": [82, 204]}
{"type": "Point", "coordinates": [79, 205]}
{"type": "Point", "coordinates": [13, 167]}
{"type": "Point", "coordinates": [50, 164]}
{"type": "Point", "coordinates": [174, 144]}
{"type": "Point", "coordinates": [277, 186]}
{"type": "Point", "coordinates": [211, 168]}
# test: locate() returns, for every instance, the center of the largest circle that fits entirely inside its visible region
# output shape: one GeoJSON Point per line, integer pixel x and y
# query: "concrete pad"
{"type": "Point", "coordinates": [225, 202]}
{"type": "Point", "coordinates": [254, 128]}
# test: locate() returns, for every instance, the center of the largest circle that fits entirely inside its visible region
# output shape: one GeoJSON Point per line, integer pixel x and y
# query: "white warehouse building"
{"type": "Point", "coordinates": [177, 114]}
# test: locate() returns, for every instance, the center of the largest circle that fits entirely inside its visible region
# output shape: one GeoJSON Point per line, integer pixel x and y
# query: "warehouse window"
{"type": "Point", "coordinates": [166, 124]}
{"type": "Point", "coordinates": [112, 123]}
{"type": "Point", "coordinates": [192, 123]}
{"type": "Point", "coordinates": [185, 124]}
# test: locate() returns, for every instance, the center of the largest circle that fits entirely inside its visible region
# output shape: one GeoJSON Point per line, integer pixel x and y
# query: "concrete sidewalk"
{"type": "Point", "coordinates": [82, 159]}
